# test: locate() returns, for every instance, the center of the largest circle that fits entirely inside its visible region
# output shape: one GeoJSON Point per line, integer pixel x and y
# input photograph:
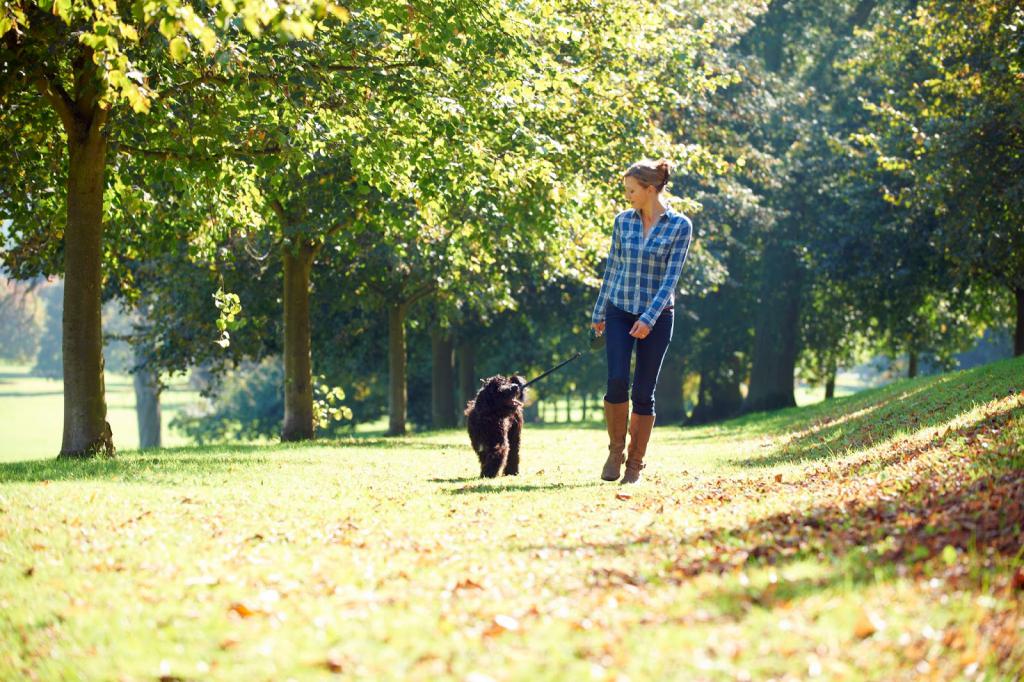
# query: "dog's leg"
{"type": "Point", "coordinates": [514, 432]}
{"type": "Point", "coordinates": [478, 448]}
{"type": "Point", "coordinates": [493, 460]}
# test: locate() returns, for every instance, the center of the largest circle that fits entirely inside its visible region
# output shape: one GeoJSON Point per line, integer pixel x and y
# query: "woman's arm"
{"type": "Point", "coordinates": [609, 268]}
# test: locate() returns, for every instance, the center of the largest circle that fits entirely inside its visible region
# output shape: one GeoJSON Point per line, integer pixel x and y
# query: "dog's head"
{"type": "Point", "coordinates": [521, 383]}
{"type": "Point", "coordinates": [502, 394]}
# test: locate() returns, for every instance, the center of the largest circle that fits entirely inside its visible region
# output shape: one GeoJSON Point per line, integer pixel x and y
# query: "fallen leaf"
{"type": "Point", "coordinates": [334, 662]}
{"type": "Point", "coordinates": [623, 496]}
{"type": "Point", "coordinates": [778, 478]}
{"type": "Point", "coordinates": [500, 625]}
{"type": "Point", "coordinates": [467, 584]}
{"type": "Point", "coordinates": [507, 622]}
{"type": "Point", "coordinates": [1018, 579]}
{"type": "Point", "coordinates": [867, 624]}
{"type": "Point", "coordinates": [242, 610]}
{"type": "Point", "coordinates": [229, 642]}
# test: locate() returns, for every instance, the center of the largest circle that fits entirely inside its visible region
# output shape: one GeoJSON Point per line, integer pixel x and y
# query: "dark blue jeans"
{"type": "Point", "coordinates": [649, 355]}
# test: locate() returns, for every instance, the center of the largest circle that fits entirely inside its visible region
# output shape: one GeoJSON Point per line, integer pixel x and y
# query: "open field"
{"type": "Point", "coordinates": [32, 413]}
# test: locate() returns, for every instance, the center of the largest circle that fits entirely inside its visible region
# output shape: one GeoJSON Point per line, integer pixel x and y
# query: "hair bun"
{"type": "Point", "coordinates": [651, 173]}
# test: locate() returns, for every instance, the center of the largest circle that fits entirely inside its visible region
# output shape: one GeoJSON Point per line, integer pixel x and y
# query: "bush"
{"type": "Point", "coordinates": [248, 404]}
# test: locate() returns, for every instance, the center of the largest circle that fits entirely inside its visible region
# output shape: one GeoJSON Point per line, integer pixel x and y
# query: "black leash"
{"type": "Point", "coordinates": [595, 343]}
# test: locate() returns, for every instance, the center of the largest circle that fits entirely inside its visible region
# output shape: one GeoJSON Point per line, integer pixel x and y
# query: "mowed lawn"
{"type": "Point", "coordinates": [877, 536]}
{"type": "Point", "coordinates": [32, 412]}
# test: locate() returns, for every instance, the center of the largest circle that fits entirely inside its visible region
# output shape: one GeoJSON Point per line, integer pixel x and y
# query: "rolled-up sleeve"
{"type": "Point", "coordinates": [677, 256]}
{"type": "Point", "coordinates": [609, 271]}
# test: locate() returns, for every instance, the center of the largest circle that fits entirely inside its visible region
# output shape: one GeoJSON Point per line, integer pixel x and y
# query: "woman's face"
{"type": "Point", "coordinates": [636, 194]}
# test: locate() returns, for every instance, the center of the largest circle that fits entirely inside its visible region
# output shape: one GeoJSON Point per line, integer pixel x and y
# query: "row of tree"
{"type": "Point", "coordinates": [878, 205]}
{"type": "Point", "coordinates": [427, 143]}
{"type": "Point", "coordinates": [315, 180]}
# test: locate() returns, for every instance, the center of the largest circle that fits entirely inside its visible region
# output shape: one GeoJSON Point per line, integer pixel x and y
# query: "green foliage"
{"type": "Point", "coordinates": [246, 404]}
{"type": "Point", "coordinates": [228, 306]}
{"type": "Point", "coordinates": [948, 116]}
{"type": "Point", "coordinates": [327, 404]}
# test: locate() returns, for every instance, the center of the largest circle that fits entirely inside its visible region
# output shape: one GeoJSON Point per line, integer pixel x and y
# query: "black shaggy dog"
{"type": "Point", "coordinates": [495, 421]}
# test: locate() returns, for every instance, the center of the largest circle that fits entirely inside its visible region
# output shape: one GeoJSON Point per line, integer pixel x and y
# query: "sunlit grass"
{"type": "Point", "coordinates": [32, 412]}
{"type": "Point", "coordinates": [810, 542]}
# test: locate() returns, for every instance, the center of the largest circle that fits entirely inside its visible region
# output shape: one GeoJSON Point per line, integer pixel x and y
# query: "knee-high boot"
{"type": "Point", "coordinates": [616, 417]}
{"type": "Point", "coordinates": [640, 427]}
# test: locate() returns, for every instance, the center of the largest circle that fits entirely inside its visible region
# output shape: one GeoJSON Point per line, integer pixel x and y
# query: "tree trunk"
{"type": "Point", "coordinates": [1018, 335]}
{"type": "Point", "coordinates": [442, 403]}
{"type": "Point", "coordinates": [396, 370]}
{"type": "Point", "coordinates": [298, 364]}
{"type": "Point", "coordinates": [468, 385]}
{"type": "Point", "coordinates": [584, 397]}
{"type": "Point", "coordinates": [911, 364]}
{"type": "Point", "coordinates": [147, 406]}
{"type": "Point", "coordinates": [86, 431]}
{"type": "Point", "coordinates": [830, 386]}
{"type": "Point", "coordinates": [718, 396]}
{"type": "Point", "coordinates": [775, 331]}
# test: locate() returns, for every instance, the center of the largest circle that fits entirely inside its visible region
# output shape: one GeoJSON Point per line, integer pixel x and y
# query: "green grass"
{"type": "Point", "coordinates": [32, 412]}
{"type": "Point", "coordinates": [876, 536]}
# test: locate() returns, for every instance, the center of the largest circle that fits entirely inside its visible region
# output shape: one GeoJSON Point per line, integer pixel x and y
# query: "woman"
{"type": "Point", "coordinates": [635, 307]}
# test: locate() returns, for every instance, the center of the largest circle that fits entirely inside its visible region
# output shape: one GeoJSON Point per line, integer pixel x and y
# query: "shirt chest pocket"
{"type": "Point", "coordinates": [658, 246]}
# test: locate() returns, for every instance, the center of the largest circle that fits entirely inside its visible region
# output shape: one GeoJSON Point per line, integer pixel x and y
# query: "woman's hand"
{"type": "Point", "coordinates": [639, 330]}
{"type": "Point", "coordinates": [598, 327]}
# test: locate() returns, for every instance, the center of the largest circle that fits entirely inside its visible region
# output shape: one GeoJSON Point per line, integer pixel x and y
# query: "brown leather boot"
{"type": "Point", "coordinates": [616, 417]}
{"type": "Point", "coordinates": [640, 427]}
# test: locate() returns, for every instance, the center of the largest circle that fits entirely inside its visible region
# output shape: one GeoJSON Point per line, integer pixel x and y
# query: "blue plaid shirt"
{"type": "Point", "coordinates": [640, 276]}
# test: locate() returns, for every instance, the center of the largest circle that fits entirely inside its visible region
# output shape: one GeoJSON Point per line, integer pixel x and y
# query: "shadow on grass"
{"type": "Point", "coordinates": [913, 528]}
{"type": "Point", "coordinates": [879, 417]}
{"type": "Point", "coordinates": [205, 459]}
{"type": "Point", "coordinates": [393, 442]}
{"type": "Point", "coordinates": [552, 426]}
{"type": "Point", "coordinates": [972, 501]}
{"type": "Point", "coordinates": [516, 488]}
{"type": "Point", "coordinates": [787, 420]}
{"type": "Point", "coordinates": [137, 466]}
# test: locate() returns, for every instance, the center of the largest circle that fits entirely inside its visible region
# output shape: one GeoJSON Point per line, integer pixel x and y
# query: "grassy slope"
{"type": "Point", "coordinates": [875, 537]}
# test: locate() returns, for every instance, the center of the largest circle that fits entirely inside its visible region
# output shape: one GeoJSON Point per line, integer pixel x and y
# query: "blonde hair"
{"type": "Point", "coordinates": [650, 173]}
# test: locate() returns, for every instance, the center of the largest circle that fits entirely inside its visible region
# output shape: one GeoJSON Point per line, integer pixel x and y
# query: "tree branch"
{"type": "Point", "coordinates": [278, 208]}
{"type": "Point", "coordinates": [57, 96]}
{"type": "Point", "coordinates": [420, 294]}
